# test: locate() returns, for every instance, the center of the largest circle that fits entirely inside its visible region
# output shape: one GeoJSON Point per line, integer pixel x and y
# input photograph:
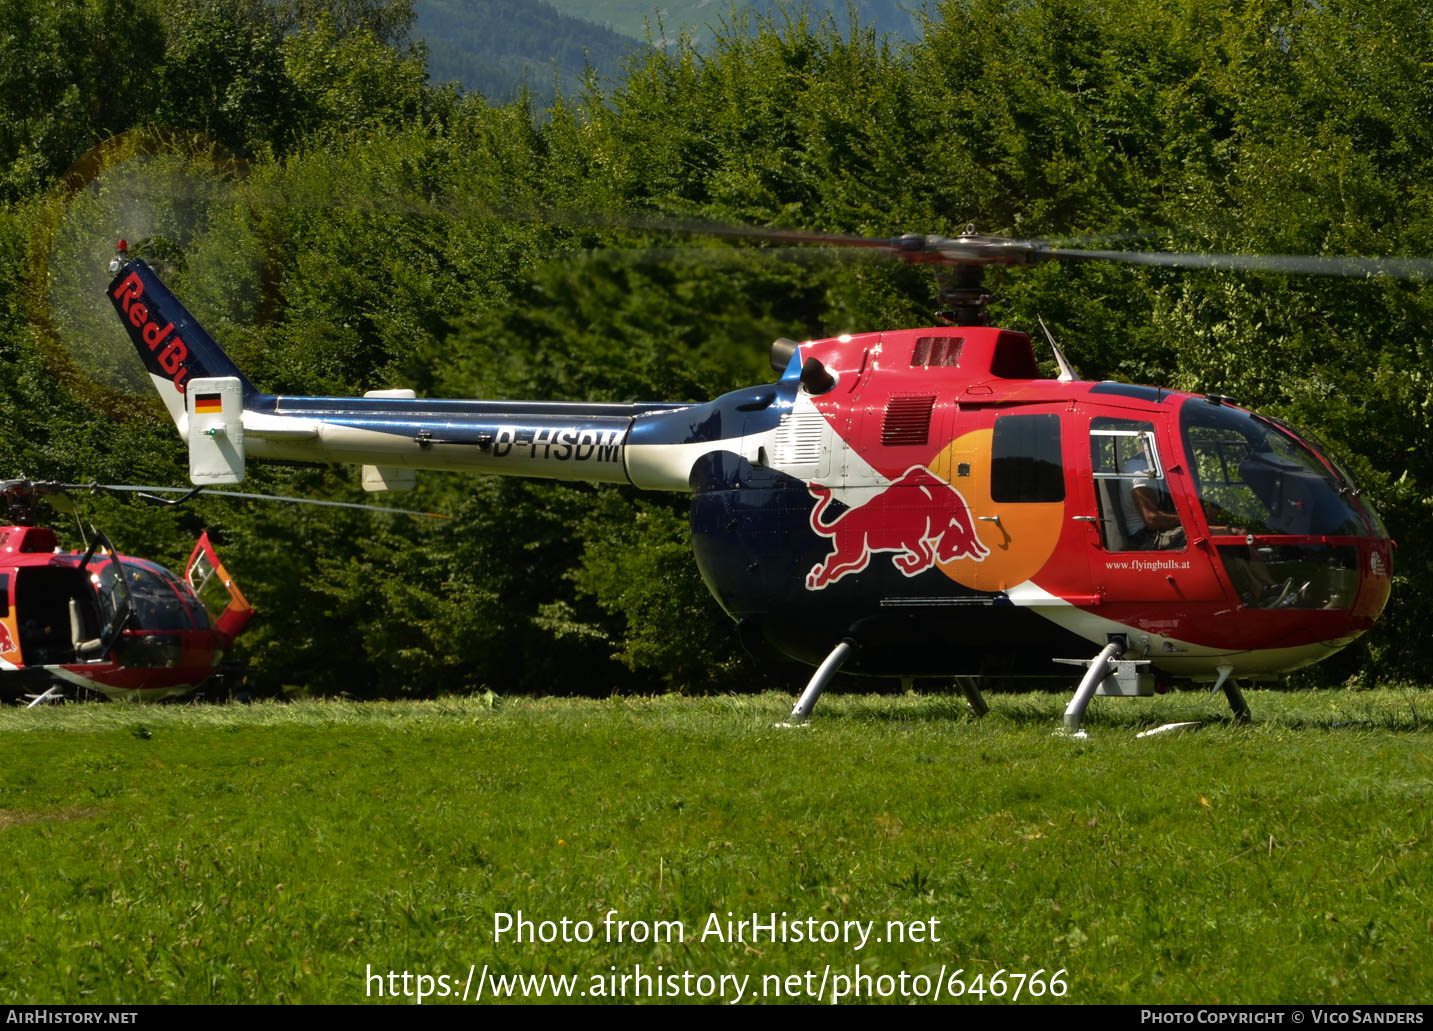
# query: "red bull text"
{"type": "Point", "coordinates": [170, 354]}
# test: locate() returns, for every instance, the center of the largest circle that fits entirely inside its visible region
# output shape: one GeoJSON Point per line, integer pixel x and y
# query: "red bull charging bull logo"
{"type": "Point", "coordinates": [920, 517]}
{"type": "Point", "coordinates": [7, 643]}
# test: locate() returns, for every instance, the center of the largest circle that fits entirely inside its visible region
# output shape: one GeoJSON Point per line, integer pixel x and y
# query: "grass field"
{"type": "Point", "coordinates": [282, 852]}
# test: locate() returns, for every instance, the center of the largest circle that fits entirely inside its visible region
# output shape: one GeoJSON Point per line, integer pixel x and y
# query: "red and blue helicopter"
{"type": "Point", "coordinates": [907, 503]}
{"type": "Point", "coordinates": [98, 622]}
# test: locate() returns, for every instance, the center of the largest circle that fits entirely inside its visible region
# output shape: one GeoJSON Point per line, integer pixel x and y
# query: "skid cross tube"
{"type": "Point", "coordinates": [820, 679]}
{"type": "Point", "coordinates": [970, 687]}
{"type": "Point", "coordinates": [1232, 692]}
{"type": "Point", "coordinates": [1100, 668]}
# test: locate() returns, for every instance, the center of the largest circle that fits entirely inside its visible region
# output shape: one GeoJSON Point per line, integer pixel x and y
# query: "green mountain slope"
{"type": "Point", "coordinates": [634, 17]}
{"type": "Point", "coordinates": [494, 46]}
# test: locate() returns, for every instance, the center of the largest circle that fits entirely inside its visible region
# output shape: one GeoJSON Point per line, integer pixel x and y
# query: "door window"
{"type": "Point", "coordinates": [1025, 464]}
{"type": "Point", "coordinates": [1136, 510]}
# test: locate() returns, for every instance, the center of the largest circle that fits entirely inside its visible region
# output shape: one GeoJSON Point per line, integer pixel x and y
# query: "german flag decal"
{"type": "Point", "coordinates": [208, 404]}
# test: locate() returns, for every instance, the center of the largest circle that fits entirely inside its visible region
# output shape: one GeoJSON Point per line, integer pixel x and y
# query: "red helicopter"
{"type": "Point", "coordinates": [98, 621]}
{"type": "Point", "coordinates": [909, 503]}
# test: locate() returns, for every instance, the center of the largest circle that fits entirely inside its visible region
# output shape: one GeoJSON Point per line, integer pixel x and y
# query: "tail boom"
{"type": "Point", "coordinates": [225, 420]}
{"type": "Point", "coordinates": [527, 438]}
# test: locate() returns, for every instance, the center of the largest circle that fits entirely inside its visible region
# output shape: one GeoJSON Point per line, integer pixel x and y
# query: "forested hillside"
{"type": "Point", "coordinates": [340, 225]}
{"type": "Point", "coordinates": [703, 19]}
{"type": "Point", "coordinates": [497, 47]}
{"type": "Point", "coordinates": [501, 47]}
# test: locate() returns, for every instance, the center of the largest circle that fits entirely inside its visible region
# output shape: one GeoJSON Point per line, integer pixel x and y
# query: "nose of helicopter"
{"type": "Point", "coordinates": [1303, 550]}
{"type": "Point", "coordinates": [1321, 598]}
{"type": "Point", "coordinates": [1375, 581]}
{"type": "Point", "coordinates": [1345, 581]}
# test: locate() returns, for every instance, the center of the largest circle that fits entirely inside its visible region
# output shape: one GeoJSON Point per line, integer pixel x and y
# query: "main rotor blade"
{"type": "Point", "coordinates": [191, 491]}
{"type": "Point", "coordinates": [1303, 264]}
{"type": "Point", "coordinates": [995, 250]}
{"type": "Point", "coordinates": [974, 249]}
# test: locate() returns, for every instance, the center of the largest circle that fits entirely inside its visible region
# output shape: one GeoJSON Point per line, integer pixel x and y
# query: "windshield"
{"type": "Point", "coordinates": [161, 600]}
{"type": "Point", "coordinates": [1359, 499]}
{"type": "Point", "coordinates": [1254, 478]}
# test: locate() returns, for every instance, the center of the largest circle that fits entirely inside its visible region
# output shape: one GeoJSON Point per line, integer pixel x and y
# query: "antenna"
{"type": "Point", "coordinates": [1067, 371]}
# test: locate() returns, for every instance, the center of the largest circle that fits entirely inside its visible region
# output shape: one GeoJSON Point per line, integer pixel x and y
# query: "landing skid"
{"type": "Point", "coordinates": [831, 665]}
{"type": "Point", "coordinates": [828, 669]}
{"type": "Point", "coordinates": [1232, 693]}
{"type": "Point", "coordinates": [1108, 674]}
{"type": "Point", "coordinates": [970, 687]}
{"type": "Point", "coordinates": [1104, 666]}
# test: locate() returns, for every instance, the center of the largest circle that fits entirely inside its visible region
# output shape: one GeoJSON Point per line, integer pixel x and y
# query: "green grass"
{"type": "Point", "coordinates": [276, 852]}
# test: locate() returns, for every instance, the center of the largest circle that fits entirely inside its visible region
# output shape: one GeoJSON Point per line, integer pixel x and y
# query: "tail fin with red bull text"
{"type": "Point", "coordinates": [204, 391]}
{"type": "Point", "coordinates": [175, 349]}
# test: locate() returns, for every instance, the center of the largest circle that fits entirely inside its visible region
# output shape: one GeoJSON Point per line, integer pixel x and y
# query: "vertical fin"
{"type": "Point", "coordinates": [175, 349]}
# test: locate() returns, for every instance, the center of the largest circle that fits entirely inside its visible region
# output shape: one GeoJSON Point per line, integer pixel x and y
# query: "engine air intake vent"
{"type": "Point", "coordinates": [907, 420]}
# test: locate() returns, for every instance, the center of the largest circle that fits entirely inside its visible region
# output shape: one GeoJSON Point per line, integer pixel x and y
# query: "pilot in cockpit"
{"type": "Point", "coordinates": [1149, 519]}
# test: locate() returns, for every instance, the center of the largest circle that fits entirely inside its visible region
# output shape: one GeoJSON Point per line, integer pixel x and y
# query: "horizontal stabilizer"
{"type": "Point", "coordinates": [387, 477]}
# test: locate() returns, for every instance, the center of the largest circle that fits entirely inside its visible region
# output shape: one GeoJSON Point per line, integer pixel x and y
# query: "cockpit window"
{"type": "Point", "coordinates": [1252, 478]}
{"type": "Point", "coordinates": [157, 596]}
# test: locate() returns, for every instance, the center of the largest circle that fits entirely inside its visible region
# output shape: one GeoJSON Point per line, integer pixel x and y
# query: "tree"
{"type": "Point", "coordinates": [74, 72]}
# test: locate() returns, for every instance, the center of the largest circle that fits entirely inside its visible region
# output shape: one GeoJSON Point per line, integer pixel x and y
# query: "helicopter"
{"type": "Point", "coordinates": [905, 503]}
{"type": "Point", "coordinates": [96, 621]}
